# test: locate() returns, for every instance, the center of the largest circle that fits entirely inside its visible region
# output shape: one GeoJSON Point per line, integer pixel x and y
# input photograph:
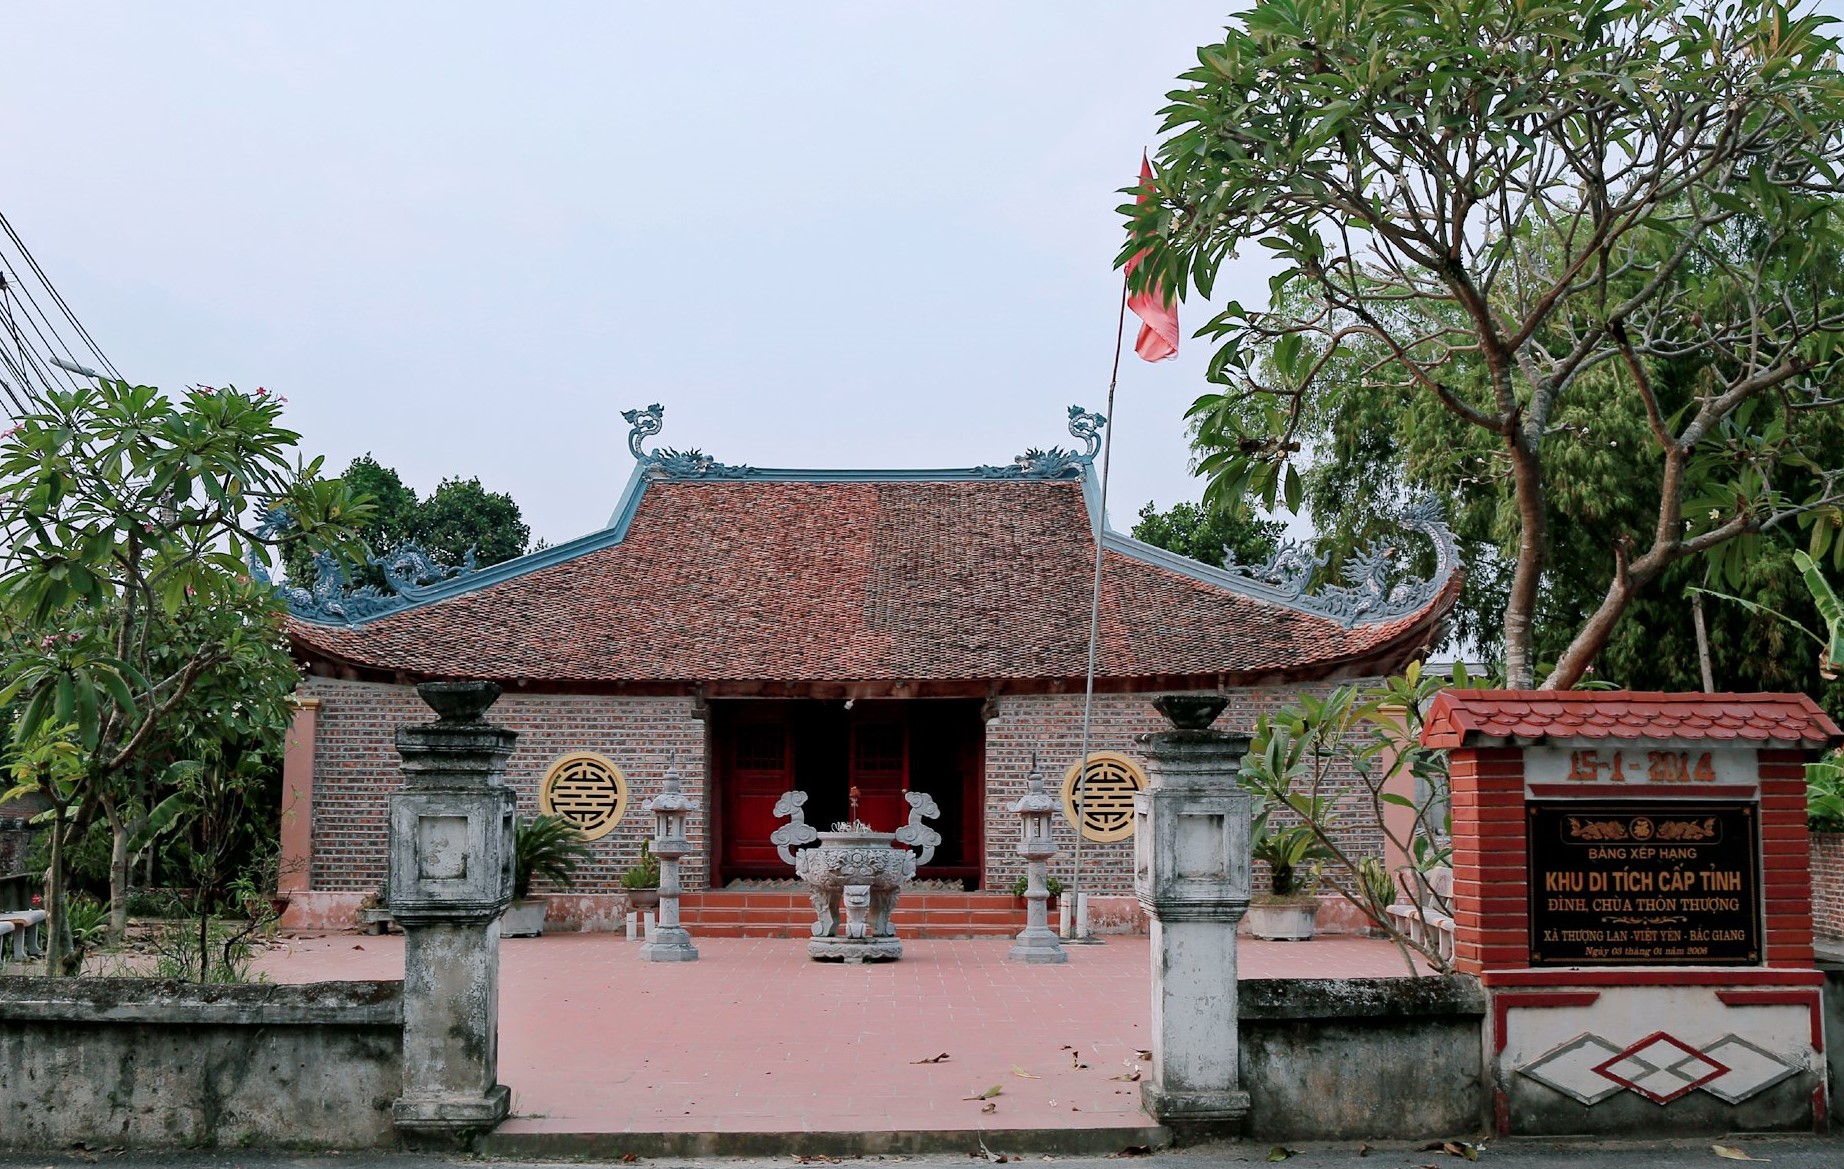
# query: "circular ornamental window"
{"type": "Point", "coordinates": [587, 790]}
{"type": "Point", "coordinates": [1107, 796]}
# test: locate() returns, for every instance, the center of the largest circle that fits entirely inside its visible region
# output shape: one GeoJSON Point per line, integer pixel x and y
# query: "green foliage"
{"type": "Point", "coordinates": [1023, 885]}
{"type": "Point", "coordinates": [645, 873]}
{"type": "Point", "coordinates": [1825, 794]}
{"type": "Point", "coordinates": [1531, 251]}
{"type": "Point", "coordinates": [548, 847]}
{"type": "Point", "coordinates": [459, 517]}
{"type": "Point", "coordinates": [1329, 765]}
{"type": "Point", "coordinates": [1204, 532]}
{"type": "Point", "coordinates": [1287, 849]}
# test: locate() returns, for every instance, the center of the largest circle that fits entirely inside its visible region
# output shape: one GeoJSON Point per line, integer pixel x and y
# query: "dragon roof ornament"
{"type": "Point", "coordinates": [667, 462]}
{"type": "Point", "coordinates": [410, 575]}
{"type": "Point", "coordinates": [1366, 596]}
{"type": "Point", "coordinates": [1056, 463]}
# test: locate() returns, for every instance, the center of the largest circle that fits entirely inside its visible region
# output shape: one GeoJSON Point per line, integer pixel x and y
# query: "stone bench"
{"type": "Point", "coordinates": [28, 929]}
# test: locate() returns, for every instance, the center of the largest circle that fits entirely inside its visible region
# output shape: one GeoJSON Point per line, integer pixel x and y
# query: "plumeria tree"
{"type": "Point", "coordinates": [127, 519]}
{"type": "Point", "coordinates": [1509, 215]}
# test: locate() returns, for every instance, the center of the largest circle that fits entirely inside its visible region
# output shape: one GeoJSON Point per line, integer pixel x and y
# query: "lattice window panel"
{"type": "Point", "coordinates": [587, 790]}
{"type": "Point", "coordinates": [1107, 796]}
{"type": "Point", "coordinates": [760, 747]}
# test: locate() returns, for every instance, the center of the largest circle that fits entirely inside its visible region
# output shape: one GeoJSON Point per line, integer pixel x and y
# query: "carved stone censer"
{"type": "Point", "coordinates": [855, 870]}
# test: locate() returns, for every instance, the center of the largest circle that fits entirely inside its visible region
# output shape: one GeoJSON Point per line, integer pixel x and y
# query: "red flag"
{"type": "Point", "coordinates": [1158, 337]}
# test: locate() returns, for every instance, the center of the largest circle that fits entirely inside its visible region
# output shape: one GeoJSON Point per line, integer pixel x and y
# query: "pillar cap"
{"type": "Point", "coordinates": [459, 702]}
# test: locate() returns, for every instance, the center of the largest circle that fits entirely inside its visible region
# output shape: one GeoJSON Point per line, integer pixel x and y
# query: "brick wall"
{"type": "Point", "coordinates": [1828, 885]}
{"type": "Point", "coordinates": [1051, 725]}
{"type": "Point", "coordinates": [356, 769]}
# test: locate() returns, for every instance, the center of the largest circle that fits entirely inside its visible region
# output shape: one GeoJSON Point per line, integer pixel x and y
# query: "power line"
{"type": "Point", "coordinates": [57, 297]}
{"type": "Point", "coordinates": [39, 345]}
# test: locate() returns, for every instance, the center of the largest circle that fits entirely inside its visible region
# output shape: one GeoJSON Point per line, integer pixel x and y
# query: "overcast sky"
{"type": "Point", "coordinates": [464, 237]}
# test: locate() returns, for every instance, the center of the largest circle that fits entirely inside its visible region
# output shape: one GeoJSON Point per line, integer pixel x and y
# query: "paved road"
{"type": "Point", "coordinates": [1789, 1153]}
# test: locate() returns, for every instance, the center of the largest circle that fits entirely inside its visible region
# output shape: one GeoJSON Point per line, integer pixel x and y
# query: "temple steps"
{"type": "Point", "coordinates": [728, 913]}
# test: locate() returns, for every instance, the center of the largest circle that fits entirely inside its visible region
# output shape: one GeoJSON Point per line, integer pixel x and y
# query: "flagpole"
{"type": "Point", "coordinates": [1094, 616]}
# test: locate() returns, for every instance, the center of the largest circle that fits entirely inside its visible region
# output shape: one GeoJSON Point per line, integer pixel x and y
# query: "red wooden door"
{"type": "Point", "coordinates": [758, 765]}
{"type": "Point", "coordinates": [880, 771]}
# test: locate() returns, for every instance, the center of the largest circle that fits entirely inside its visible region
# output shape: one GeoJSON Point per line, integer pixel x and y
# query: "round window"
{"type": "Point", "coordinates": [587, 790]}
{"type": "Point", "coordinates": [1107, 796]}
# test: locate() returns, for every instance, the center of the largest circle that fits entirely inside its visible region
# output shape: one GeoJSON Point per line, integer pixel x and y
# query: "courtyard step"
{"type": "Point", "coordinates": [730, 913]}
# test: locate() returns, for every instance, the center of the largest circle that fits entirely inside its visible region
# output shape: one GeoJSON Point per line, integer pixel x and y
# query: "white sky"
{"type": "Point", "coordinates": [464, 237]}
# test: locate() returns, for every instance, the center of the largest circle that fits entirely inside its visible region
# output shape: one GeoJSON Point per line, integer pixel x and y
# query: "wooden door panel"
{"type": "Point", "coordinates": [757, 769]}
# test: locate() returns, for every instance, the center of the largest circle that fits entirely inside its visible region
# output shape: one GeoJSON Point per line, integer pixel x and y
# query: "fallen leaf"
{"type": "Point", "coordinates": [932, 1059]}
{"type": "Point", "coordinates": [995, 1158]}
{"type": "Point", "coordinates": [988, 1094]}
{"type": "Point", "coordinates": [1135, 1151]}
{"type": "Point", "coordinates": [356, 946]}
{"type": "Point", "coordinates": [1022, 1074]}
{"type": "Point", "coordinates": [1053, 1104]}
{"type": "Point", "coordinates": [1075, 1061]}
{"type": "Point", "coordinates": [1281, 1153]}
{"type": "Point", "coordinates": [628, 1158]}
{"type": "Point", "coordinates": [989, 1107]}
{"type": "Point", "coordinates": [1363, 1148]}
{"type": "Point", "coordinates": [1143, 1054]}
{"type": "Point", "coordinates": [1129, 1077]}
{"type": "Point", "coordinates": [1734, 1154]}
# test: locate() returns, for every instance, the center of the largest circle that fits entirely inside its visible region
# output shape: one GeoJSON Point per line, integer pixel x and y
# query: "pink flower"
{"type": "Point", "coordinates": [13, 431]}
{"type": "Point", "coordinates": [261, 393]}
{"type": "Point", "coordinates": [37, 901]}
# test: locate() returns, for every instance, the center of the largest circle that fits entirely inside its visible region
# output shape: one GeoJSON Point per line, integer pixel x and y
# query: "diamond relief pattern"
{"type": "Point", "coordinates": [1661, 1067]}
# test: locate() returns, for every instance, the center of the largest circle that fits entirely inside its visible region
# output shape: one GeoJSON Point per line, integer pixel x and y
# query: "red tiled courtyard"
{"type": "Point", "coordinates": [755, 1037]}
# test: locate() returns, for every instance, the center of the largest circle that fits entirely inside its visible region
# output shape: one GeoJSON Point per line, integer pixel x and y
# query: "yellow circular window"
{"type": "Point", "coordinates": [1107, 796]}
{"type": "Point", "coordinates": [587, 790]}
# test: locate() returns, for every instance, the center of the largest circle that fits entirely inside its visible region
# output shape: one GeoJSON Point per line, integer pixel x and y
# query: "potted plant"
{"type": "Point", "coordinates": [1023, 884]}
{"type": "Point", "coordinates": [544, 846]}
{"type": "Point", "coordinates": [1288, 911]}
{"type": "Point", "coordinates": [642, 880]}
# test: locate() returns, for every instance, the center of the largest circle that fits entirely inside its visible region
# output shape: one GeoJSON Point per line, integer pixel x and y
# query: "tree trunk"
{"type": "Point", "coordinates": [1533, 542]}
{"type": "Point", "coordinates": [118, 879]}
{"type": "Point", "coordinates": [1703, 643]}
{"type": "Point", "coordinates": [57, 938]}
{"type": "Point", "coordinates": [1593, 635]}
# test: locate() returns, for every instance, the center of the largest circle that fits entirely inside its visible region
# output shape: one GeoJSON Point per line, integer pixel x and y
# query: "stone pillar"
{"type": "Point", "coordinates": [1037, 943]}
{"type": "Point", "coordinates": [670, 941]}
{"type": "Point", "coordinates": [1191, 873]}
{"type": "Point", "coordinates": [450, 879]}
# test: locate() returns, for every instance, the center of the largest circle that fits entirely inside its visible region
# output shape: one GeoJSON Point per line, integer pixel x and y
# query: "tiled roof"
{"type": "Point", "coordinates": [856, 581]}
{"type": "Point", "coordinates": [1462, 717]}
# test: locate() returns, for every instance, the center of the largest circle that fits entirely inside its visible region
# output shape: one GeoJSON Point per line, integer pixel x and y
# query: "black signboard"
{"type": "Point", "coordinates": [1643, 883]}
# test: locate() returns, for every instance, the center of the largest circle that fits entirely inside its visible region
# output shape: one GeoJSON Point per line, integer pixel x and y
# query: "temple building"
{"type": "Point", "coordinates": [831, 631]}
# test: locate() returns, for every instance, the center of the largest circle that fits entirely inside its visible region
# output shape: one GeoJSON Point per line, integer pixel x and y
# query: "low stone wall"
{"type": "Point", "coordinates": [1338, 1059]}
{"type": "Point", "coordinates": [139, 1063]}
{"type": "Point", "coordinates": [1828, 884]}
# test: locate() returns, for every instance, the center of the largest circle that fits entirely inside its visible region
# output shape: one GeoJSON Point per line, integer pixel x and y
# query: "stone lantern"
{"type": "Point", "coordinates": [669, 941]}
{"type": "Point", "coordinates": [1037, 942]}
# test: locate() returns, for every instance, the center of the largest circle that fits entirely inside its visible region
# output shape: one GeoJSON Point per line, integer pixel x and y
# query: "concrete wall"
{"type": "Point", "coordinates": [145, 1064]}
{"type": "Point", "coordinates": [1828, 885]}
{"type": "Point", "coordinates": [1338, 1059]}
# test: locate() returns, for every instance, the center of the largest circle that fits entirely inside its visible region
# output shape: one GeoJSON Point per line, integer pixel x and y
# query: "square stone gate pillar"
{"type": "Point", "coordinates": [1631, 886]}
{"type": "Point", "coordinates": [1191, 873]}
{"type": "Point", "coordinates": [450, 879]}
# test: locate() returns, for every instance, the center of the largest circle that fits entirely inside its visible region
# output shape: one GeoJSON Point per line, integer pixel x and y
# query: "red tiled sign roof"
{"type": "Point", "coordinates": [856, 581]}
{"type": "Point", "coordinates": [1463, 717]}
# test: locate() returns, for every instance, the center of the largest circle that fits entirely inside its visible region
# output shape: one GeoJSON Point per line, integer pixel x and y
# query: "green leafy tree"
{"type": "Point", "coordinates": [123, 584]}
{"type": "Point", "coordinates": [1204, 532]}
{"type": "Point", "coordinates": [48, 763]}
{"type": "Point", "coordinates": [1512, 215]}
{"type": "Point", "coordinates": [462, 515]}
{"type": "Point", "coordinates": [459, 517]}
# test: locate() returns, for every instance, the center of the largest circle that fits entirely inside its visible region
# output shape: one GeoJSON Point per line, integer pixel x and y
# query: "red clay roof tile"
{"type": "Point", "coordinates": [857, 581]}
{"type": "Point", "coordinates": [1461, 717]}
